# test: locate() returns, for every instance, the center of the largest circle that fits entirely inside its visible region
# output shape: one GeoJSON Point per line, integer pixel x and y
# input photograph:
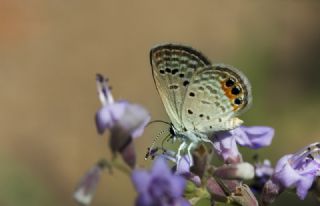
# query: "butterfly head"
{"type": "Point", "coordinates": [172, 130]}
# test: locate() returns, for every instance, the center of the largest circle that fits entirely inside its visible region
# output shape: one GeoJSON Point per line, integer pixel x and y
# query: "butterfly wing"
{"type": "Point", "coordinates": [215, 96]}
{"type": "Point", "coordinates": [173, 67]}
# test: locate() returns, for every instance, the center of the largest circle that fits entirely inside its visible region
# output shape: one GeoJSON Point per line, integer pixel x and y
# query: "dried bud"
{"type": "Point", "coordinates": [129, 155]}
{"type": "Point", "coordinates": [200, 158]}
{"type": "Point", "coordinates": [216, 191]}
{"type": "Point", "coordinates": [244, 196]}
{"type": "Point", "coordinates": [270, 192]}
{"type": "Point", "coordinates": [126, 121]}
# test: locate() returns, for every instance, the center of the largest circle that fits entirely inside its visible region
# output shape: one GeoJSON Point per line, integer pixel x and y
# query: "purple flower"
{"type": "Point", "coordinates": [225, 143]}
{"type": "Point", "coordinates": [230, 192]}
{"type": "Point", "coordinates": [124, 120]}
{"type": "Point", "coordinates": [183, 165]}
{"type": "Point", "coordinates": [297, 171]}
{"type": "Point", "coordinates": [183, 168]}
{"type": "Point", "coordinates": [159, 187]}
{"type": "Point", "coordinates": [263, 172]}
{"type": "Point", "coordinates": [263, 169]}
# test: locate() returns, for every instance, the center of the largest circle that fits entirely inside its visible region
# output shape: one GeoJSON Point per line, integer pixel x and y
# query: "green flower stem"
{"type": "Point", "coordinates": [121, 167]}
{"type": "Point", "coordinates": [115, 163]}
{"type": "Point", "coordinates": [195, 194]}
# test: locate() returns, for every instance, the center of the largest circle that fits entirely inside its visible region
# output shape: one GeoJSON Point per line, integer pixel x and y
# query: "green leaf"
{"type": "Point", "coordinates": [203, 202]}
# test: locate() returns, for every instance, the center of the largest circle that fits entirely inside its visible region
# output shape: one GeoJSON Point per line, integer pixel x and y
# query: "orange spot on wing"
{"type": "Point", "coordinates": [235, 107]}
{"type": "Point", "coordinates": [228, 93]}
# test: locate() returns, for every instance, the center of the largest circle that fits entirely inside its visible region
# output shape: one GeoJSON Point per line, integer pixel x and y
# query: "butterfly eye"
{"type": "Point", "coordinates": [230, 82]}
{"type": "Point", "coordinates": [172, 131]}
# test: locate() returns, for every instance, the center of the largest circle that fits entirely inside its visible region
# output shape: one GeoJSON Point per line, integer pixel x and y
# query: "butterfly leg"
{"type": "Point", "coordinates": [208, 141]}
{"type": "Point", "coordinates": [182, 146]}
{"type": "Point", "coordinates": [191, 146]}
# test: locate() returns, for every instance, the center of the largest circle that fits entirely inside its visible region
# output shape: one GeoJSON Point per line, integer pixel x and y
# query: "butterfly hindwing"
{"type": "Point", "coordinates": [173, 67]}
{"type": "Point", "coordinates": [216, 94]}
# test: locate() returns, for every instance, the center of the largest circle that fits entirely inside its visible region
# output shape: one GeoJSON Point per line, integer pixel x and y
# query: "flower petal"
{"type": "Point", "coordinates": [183, 165]}
{"type": "Point", "coordinates": [159, 186]}
{"type": "Point", "coordinates": [134, 119]}
{"type": "Point", "coordinates": [160, 168]}
{"type": "Point", "coordinates": [226, 147]}
{"type": "Point", "coordinates": [141, 180]}
{"type": "Point", "coordinates": [282, 162]}
{"type": "Point", "coordinates": [108, 115]}
{"type": "Point", "coordinates": [103, 88]}
{"type": "Point", "coordinates": [254, 137]}
{"type": "Point", "coordinates": [304, 185]}
{"type": "Point", "coordinates": [178, 184]}
{"type": "Point", "coordinates": [264, 169]}
{"type": "Point", "coordinates": [143, 200]}
{"type": "Point", "coordinates": [285, 174]}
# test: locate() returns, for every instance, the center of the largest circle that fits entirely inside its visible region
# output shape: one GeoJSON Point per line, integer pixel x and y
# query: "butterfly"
{"type": "Point", "coordinates": [200, 98]}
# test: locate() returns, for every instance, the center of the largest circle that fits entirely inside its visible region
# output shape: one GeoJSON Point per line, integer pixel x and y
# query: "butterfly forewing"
{"type": "Point", "coordinates": [215, 95]}
{"type": "Point", "coordinates": [173, 67]}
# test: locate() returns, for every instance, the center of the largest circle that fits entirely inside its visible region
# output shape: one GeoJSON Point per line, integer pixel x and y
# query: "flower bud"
{"type": "Point", "coordinates": [270, 192]}
{"type": "Point", "coordinates": [87, 187]}
{"type": "Point", "coordinates": [241, 171]}
{"type": "Point", "coordinates": [244, 196]}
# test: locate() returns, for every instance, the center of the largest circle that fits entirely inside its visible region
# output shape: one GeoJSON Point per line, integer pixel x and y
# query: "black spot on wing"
{"type": "Point", "coordinates": [194, 54]}
{"type": "Point", "coordinates": [186, 83]}
{"type": "Point", "coordinates": [173, 86]}
{"type": "Point", "coordinates": [205, 102]}
{"type": "Point", "coordinates": [174, 71]}
{"type": "Point", "coordinates": [230, 82]}
{"type": "Point", "coordinates": [235, 90]}
{"type": "Point", "coordinates": [238, 101]}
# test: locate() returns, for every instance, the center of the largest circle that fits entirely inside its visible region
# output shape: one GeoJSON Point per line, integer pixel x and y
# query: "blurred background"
{"type": "Point", "coordinates": [50, 52]}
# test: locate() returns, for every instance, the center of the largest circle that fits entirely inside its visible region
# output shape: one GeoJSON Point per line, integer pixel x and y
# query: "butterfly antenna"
{"type": "Point", "coordinates": [155, 121]}
{"type": "Point", "coordinates": [151, 150]}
